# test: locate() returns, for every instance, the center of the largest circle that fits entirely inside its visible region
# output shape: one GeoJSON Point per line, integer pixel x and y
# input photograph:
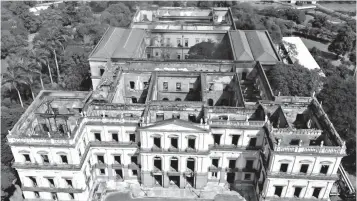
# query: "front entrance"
{"type": "Point", "coordinates": [158, 180]}
{"type": "Point", "coordinates": [230, 177]}
{"type": "Point", "coordinates": [174, 181]}
{"type": "Point", "coordinates": [190, 181]}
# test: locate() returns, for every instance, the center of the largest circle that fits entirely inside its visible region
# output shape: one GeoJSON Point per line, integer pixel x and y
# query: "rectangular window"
{"type": "Point", "coordinates": [278, 190]}
{"type": "Point", "coordinates": [174, 142]}
{"type": "Point", "coordinates": [55, 110]}
{"type": "Point", "coordinates": [37, 195]}
{"type": "Point", "coordinates": [192, 143]}
{"type": "Point", "coordinates": [148, 56]}
{"type": "Point", "coordinates": [176, 116]}
{"type": "Point", "coordinates": [178, 56]}
{"type": "Point", "coordinates": [232, 164]}
{"type": "Point", "coordinates": [165, 86]}
{"type": "Point", "coordinates": [191, 86]}
{"type": "Point", "coordinates": [134, 159]}
{"type": "Point", "coordinates": [249, 164]}
{"type": "Point", "coordinates": [102, 171]}
{"type": "Point", "coordinates": [246, 176]}
{"type": "Point", "coordinates": [186, 56]}
{"type": "Point", "coordinates": [117, 160]}
{"type": "Point", "coordinates": [54, 196]}
{"type": "Point", "coordinates": [215, 162]}
{"type": "Point", "coordinates": [132, 137]}
{"type": "Point", "coordinates": [235, 139]}
{"type": "Point", "coordinates": [304, 168]}
{"type": "Point", "coordinates": [134, 172]}
{"type": "Point", "coordinates": [134, 100]}
{"type": "Point", "coordinates": [146, 85]}
{"type": "Point", "coordinates": [115, 137]}
{"type": "Point", "coordinates": [157, 142]}
{"type": "Point", "coordinates": [284, 167]}
{"type": "Point", "coordinates": [45, 128]}
{"type": "Point", "coordinates": [210, 86]}
{"type": "Point", "coordinates": [168, 42]}
{"type": "Point", "coordinates": [294, 142]}
{"type": "Point", "coordinates": [132, 85]}
{"type": "Point", "coordinates": [101, 71]}
{"type": "Point", "coordinates": [45, 159]}
{"type": "Point", "coordinates": [186, 42]}
{"type": "Point", "coordinates": [316, 192]}
{"type": "Point", "coordinates": [34, 182]}
{"type": "Point", "coordinates": [179, 42]}
{"type": "Point", "coordinates": [297, 192]}
{"type": "Point", "coordinates": [51, 182]}
{"type": "Point", "coordinates": [252, 142]}
{"type": "Point", "coordinates": [217, 139]}
{"type": "Point", "coordinates": [100, 159]}
{"type": "Point", "coordinates": [97, 137]}
{"type": "Point", "coordinates": [159, 116]}
{"type": "Point", "coordinates": [157, 54]}
{"type": "Point", "coordinates": [71, 196]}
{"type": "Point", "coordinates": [178, 86]}
{"type": "Point", "coordinates": [64, 159]}
{"type": "Point", "coordinates": [324, 169]}
{"type": "Point", "coordinates": [192, 117]}
{"type": "Point", "coordinates": [69, 183]}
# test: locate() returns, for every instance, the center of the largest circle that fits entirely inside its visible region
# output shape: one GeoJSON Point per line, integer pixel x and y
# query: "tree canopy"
{"type": "Point", "coordinates": [293, 80]}
{"type": "Point", "coordinates": [343, 42]}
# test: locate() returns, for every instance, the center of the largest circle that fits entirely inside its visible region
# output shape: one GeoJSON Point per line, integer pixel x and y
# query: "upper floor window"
{"type": "Point", "coordinates": [134, 160]}
{"type": "Point", "coordinates": [176, 116]}
{"type": "Point", "coordinates": [294, 142]}
{"type": "Point", "coordinates": [132, 137]}
{"type": "Point", "coordinates": [215, 162]}
{"type": "Point", "coordinates": [210, 86]}
{"type": "Point", "coordinates": [45, 158]}
{"type": "Point", "coordinates": [37, 195]}
{"type": "Point", "coordinates": [192, 117]}
{"type": "Point", "coordinates": [69, 183]}
{"type": "Point", "coordinates": [71, 196]}
{"type": "Point", "coordinates": [134, 100]}
{"type": "Point", "coordinates": [157, 142]}
{"type": "Point", "coordinates": [102, 171]}
{"type": "Point", "coordinates": [101, 71]}
{"type": "Point", "coordinates": [324, 169]}
{"type": "Point", "coordinates": [117, 160]}
{"type": "Point", "coordinates": [304, 168]}
{"type": "Point", "coordinates": [97, 137]}
{"type": "Point", "coordinates": [179, 42]}
{"type": "Point", "coordinates": [278, 190]}
{"type": "Point", "coordinates": [64, 159]}
{"type": "Point", "coordinates": [33, 180]}
{"type": "Point", "coordinates": [297, 192]}
{"type": "Point", "coordinates": [51, 182]}
{"type": "Point", "coordinates": [100, 159]}
{"type": "Point", "coordinates": [179, 56]}
{"type": "Point", "coordinates": [186, 42]}
{"type": "Point", "coordinates": [165, 86]}
{"type": "Point", "coordinates": [235, 139]}
{"type": "Point", "coordinates": [146, 85]}
{"type": "Point", "coordinates": [217, 138]}
{"type": "Point", "coordinates": [178, 86]}
{"type": "Point", "coordinates": [316, 192]}
{"type": "Point", "coordinates": [27, 157]}
{"type": "Point", "coordinates": [284, 167]}
{"type": "Point", "coordinates": [115, 137]}
{"type": "Point", "coordinates": [186, 56]}
{"type": "Point", "coordinates": [247, 176]}
{"type": "Point", "coordinates": [232, 164]}
{"type": "Point", "coordinates": [253, 142]}
{"type": "Point", "coordinates": [54, 196]}
{"type": "Point", "coordinates": [132, 85]}
{"type": "Point", "coordinates": [249, 164]}
{"type": "Point", "coordinates": [55, 110]}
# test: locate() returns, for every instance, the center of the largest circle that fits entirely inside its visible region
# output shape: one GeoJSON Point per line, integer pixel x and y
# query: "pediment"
{"type": "Point", "coordinates": [174, 125]}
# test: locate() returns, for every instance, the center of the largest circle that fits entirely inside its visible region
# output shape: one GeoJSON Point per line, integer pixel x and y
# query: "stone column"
{"type": "Point", "coordinates": [166, 181]}
{"type": "Point", "coordinates": [182, 181]}
{"type": "Point", "coordinates": [201, 180]}
{"type": "Point", "coordinates": [222, 178]}
{"type": "Point", "coordinates": [147, 179]}
{"type": "Point", "coordinates": [125, 173]}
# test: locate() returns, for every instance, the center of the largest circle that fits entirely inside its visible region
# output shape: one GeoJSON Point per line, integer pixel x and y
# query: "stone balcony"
{"type": "Point", "coordinates": [312, 149]}
{"type": "Point", "coordinates": [312, 176]}
{"type": "Point", "coordinates": [225, 147]}
{"type": "Point", "coordinates": [53, 189]}
{"type": "Point", "coordinates": [176, 150]}
{"type": "Point", "coordinates": [213, 168]}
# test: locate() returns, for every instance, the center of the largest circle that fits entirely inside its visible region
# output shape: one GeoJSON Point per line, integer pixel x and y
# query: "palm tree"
{"type": "Point", "coordinates": [12, 79]}
{"type": "Point", "coordinates": [38, 58]}
{"type": "Point", "coordinates": [26, 74]}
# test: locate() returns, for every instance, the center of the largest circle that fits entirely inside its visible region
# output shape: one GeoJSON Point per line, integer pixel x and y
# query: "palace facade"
{"type": "Point", "coordinates": [174, 121]}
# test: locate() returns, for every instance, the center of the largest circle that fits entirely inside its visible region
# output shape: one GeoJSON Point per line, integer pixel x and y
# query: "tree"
{"type": "Point", "coordinates": [164, 3]}
{"type": "Point", "coordinates": [203, 50]}
{"type": "Point", "coordinates": [338, 98]}
{"type": "Point", "coordinates": [293, 80]}
{"type": "Point", "coordinates": [118, 15]}
{"type": "Point", "coordinates": [352, 57]}
{"type": "Point", "coordinates": [320, 21]}
{"type": "Point", "coordinates": [343, 42]}
{"type": "Point", "coordinates": [205, 4]}
{"type": "Point", "coordinates": [11, 43]}
{"type": "Point", "coordinates": [12, 79]}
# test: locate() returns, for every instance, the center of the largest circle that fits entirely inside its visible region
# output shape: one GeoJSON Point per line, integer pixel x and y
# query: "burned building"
{"type": "Point", "coordinates": [183, 123]}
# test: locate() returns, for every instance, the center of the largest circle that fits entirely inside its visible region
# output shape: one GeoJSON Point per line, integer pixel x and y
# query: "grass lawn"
{"type": "Point", "coordinates": [311, 43]}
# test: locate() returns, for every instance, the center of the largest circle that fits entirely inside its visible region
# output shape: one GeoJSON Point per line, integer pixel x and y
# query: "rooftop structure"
{"type": "Point", "coordinates": [302, 56]}
{"type": "Point", "coordinates": [176, 124]}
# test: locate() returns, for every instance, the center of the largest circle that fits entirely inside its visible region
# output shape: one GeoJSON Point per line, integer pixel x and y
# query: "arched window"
{"type": "Point", "coordinates": [165, 99]}
{"type": "Point", "coordinates": [178, 99]}
{"type": "Point", "coordinates": [210, 102]}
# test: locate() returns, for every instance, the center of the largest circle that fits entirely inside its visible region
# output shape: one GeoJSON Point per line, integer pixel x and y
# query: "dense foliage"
{"type": "Point", "coordinates": [293, 80]}
{"type": "Point", "coordinates": [344, 42]}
